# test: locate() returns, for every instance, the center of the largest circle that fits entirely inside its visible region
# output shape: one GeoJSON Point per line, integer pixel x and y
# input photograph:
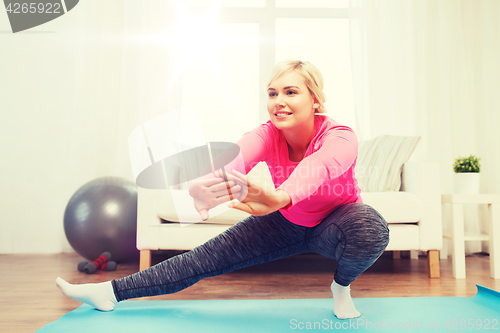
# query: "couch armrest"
{"type": "Point", "coordinates": [422, 179]}
{"type": "Point", "coordinates": [148, 220]}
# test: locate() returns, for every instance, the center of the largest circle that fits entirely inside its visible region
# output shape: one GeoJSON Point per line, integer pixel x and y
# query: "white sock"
{"type": "Point", "coordinates": [343, 306]}
{"type": "Point", "coordinates": [99, 295]}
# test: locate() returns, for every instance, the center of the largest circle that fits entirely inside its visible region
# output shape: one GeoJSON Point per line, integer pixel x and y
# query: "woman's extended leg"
{"type": "Point", "coordinates": [255, 240]}
{"type": "Point", "coordinates": [355, 235]}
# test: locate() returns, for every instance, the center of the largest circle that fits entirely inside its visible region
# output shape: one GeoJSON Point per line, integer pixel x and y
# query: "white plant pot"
{"type": "Point", "coordinates": [467, 182]}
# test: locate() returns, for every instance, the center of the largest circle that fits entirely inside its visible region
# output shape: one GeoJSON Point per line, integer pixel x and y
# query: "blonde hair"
{"type": "Point", "coordinates": [312, 76]}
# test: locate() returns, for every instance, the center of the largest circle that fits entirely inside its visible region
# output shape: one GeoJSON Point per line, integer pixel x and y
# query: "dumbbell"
{"type": "Point", "coordinates": [107, 266]}
{"type": "Point", "coordinates": [91, 267]}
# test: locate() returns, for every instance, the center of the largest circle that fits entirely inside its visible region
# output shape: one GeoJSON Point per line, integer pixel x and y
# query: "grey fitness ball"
{"type": "Point", "coordinates": [102, 216]}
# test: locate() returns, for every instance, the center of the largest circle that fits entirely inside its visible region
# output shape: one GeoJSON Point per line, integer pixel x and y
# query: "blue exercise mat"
{"type": "Point", "coordinates": [424, 314]}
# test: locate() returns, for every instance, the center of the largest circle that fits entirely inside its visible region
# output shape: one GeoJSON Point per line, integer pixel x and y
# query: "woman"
{"type": "Point", "coordinates": [316, 206]}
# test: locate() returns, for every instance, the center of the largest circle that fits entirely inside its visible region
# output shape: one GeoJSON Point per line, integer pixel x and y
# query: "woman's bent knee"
{"type": "Point", "coordinates": [364, 227]}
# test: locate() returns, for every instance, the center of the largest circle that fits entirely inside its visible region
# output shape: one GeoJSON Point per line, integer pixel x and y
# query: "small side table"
{"type": "Point", "coordinates": [458, 237]}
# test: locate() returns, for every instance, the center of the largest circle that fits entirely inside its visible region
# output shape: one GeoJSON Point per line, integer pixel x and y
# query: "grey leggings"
{"type": "Point", "coordinates": [355, 235]}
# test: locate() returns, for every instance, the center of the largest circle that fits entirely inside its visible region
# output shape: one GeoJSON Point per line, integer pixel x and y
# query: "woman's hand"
{"type": "Point", "coordinates": [210, 193]}
{"type": "Point", "coordinates": [257, 199]}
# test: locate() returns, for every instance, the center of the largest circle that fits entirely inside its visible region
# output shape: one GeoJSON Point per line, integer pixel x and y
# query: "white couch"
{"type": "Point", "coordinates": [413, 214]}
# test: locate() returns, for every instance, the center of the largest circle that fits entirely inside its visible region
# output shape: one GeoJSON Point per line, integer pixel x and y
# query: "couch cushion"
{"type": "Point", "coordinates": [380, 162]}
{"type": "Point", "coordinates": [395, 207]}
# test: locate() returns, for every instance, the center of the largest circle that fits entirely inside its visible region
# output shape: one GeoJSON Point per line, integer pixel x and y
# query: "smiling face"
{"type": "Point", "coordinates": [290, 104]}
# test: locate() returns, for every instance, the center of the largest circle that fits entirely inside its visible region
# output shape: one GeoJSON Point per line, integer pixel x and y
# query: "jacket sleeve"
{"type": "Point", "coordinates": [255, 148]}
{"type": "Point", "coordinates": [338, 152]}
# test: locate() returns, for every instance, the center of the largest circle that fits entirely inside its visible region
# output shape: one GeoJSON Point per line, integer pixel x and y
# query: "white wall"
{"type": "Point", "coordinates": [37, 100]}
{"type": "Point", "coordinates": [71, 92]}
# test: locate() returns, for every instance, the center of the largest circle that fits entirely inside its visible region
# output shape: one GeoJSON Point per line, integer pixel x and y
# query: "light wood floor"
{"type": "Point", "coordinates": [29, 298]}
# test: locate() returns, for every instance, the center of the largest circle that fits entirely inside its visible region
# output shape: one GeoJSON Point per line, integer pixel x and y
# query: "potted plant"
{"type": "Point", "coordinates": [467, 174]}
